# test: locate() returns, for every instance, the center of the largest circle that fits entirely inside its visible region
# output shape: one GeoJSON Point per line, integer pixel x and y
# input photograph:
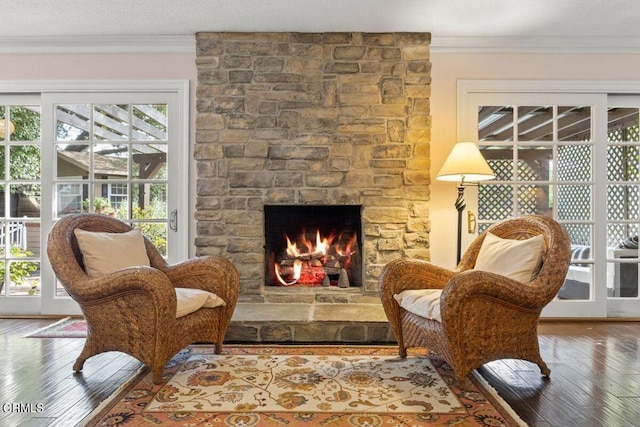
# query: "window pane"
{"type": "Point", "coordinates": [149, 201]}
{"type": "Point", "coordinates": [574, 123]}
{"type": "Point", "coordinates": [150, 122]}
{"type": "Point", "coordinates": [535, 199]}
{"type": "Point", "coordinates": [495, 202]}
{"type": "Point", "coordinates": [22, 240]}
{"type": "Point", "coordinates": [24, 162]}
{"type": "Point", "coordinates": [111, 122]}
{"type": "Point", "coordinates": [495, 123]}
{"type": "Point", "coordinates": [534, 163]}
{"type": "Point", "coordinates": [69, 198]}
{"type": "Point", "coordinates": [579, 234]}
{"type": "Point", "coordinates": [118, 197]}
{"type": "Point", "coordinates": [620, 235]}
{"type": "Point", "coordinates": [574, 163]}
{"type": "Point", "coordinates": [535, 123]}
{"type": "Point", "coordinates": [72, 161]}
{"type": "Point", "coordinates": [623, 202]}
{"type": "Point", "coordinates": [25, 123]}
{"type": "Point", "coordinates": [574, 202]}
{"type": "Point", "coordinates": [24, 276]}
{"type": "Point", "coordinates": [623, 124]}
{"type": "Point", "coordinates": [149, 161]}
{"type": "Point", "coordinates": [20, 249]}
{"type": "Point", "coordinates": [500, 159]}
{"type": "Point", "coordinates": [72, 122]}
{"type": "Point", "coordinates": [25, 200]}
{"type": "Point", "coordinates": [111, 161]}
{"type": "Point", "coordinates": [577, 284]}
{"type": "Point", "coordinates": [622, 163]}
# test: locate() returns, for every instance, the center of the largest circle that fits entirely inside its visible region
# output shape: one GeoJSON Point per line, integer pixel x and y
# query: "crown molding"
{"type": "Point", "coordinates": [187, 44]}
{"type": "Point", "coordinates": [98, 44]}
{"type": "Point", "coordinates": [538, 44]}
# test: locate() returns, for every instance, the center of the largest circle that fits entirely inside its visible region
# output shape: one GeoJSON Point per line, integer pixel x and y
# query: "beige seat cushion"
{"type": "Point", "coordinates": [190, 300]}
{"type": "Point", "coordinates": [421, 302]}
{"type": "Point", "coordinates": [104, 252]}
{"type": "Point", "coordinates": [517, 259]}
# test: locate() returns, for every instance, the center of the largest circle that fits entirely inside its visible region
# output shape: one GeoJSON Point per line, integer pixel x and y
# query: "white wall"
{"type": "Point", "coordinates": [447, 69]}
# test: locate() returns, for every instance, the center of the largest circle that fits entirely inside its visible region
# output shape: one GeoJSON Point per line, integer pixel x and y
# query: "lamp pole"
{"type": "Point", "coordinates": [460, 206]}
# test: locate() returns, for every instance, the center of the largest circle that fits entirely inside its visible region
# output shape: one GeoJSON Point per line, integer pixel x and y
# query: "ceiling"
{"type": "Point", "coordinates": [528, 25]}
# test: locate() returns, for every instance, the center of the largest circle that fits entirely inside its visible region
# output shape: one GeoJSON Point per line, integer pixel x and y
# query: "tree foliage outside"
{"type": "Point", "coordinates": [19, 271]}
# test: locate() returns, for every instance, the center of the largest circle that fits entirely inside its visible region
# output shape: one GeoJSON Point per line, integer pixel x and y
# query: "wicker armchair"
{"type": "Point", "coordinates": [485, 316]}
{"type": "Point", "coordinates": [133, 310]}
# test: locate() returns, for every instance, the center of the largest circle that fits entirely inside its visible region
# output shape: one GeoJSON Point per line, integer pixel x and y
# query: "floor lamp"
{"type": "Point", "coordinates": [467, 166]}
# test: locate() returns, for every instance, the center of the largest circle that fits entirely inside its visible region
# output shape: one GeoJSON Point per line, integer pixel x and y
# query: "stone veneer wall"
{"type": "Point", "coordinates": [312, 119]}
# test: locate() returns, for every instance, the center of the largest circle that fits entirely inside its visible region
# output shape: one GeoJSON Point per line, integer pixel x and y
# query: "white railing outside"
{"type": "Point", "coordinates": [17, 235]}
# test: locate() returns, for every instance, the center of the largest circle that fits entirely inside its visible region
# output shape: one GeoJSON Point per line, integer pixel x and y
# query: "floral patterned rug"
{"type": "Point", "coordinates": [69, 327]}
{"type": "Point", "coordinates": [304, 385]}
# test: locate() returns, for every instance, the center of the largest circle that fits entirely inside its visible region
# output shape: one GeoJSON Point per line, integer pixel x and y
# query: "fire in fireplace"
{"type": "Point", "coordinates": [313, 246]}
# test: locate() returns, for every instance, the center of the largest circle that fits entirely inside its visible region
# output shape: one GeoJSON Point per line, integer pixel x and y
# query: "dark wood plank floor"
{"type": "Point", "coordinates": [595, 376]}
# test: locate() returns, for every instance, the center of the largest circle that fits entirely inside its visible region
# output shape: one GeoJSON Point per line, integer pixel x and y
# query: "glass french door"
{"type": "Point", "coordinates": [544, 150]}
{"type": "Point", "coordinates": [623, 205]}
{"type": "Point", "coordinates": [118, 153]}
{"type": "Point", "coordinates": [573, 155]}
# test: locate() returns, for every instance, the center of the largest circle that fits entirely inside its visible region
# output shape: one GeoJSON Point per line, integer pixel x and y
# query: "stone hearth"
{"type": "Point", "coordinates": [312, 119]}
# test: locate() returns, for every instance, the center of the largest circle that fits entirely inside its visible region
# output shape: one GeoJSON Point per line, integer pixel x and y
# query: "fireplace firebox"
{"type": "Point", "coordinates": [309, 246]}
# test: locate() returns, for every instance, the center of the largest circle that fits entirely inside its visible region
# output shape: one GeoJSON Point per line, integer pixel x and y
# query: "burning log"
{"type": "Point", "coordinates": [315, 256]}
{"type": "Point", "coordinates": [324, 264]}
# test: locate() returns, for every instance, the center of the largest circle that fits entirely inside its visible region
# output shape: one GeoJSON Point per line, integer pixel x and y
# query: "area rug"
{"type": "Point", "coordinates": [249, 386]}
{"type": "Point", "coordinates": [69, 327]}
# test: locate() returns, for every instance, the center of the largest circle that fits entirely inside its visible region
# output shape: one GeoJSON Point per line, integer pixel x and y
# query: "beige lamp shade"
{"type": "Point", "coordinates": [465, 164]}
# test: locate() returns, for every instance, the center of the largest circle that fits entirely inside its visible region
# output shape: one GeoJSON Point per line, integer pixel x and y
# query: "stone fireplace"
{"type": "Point", "coordinates": [312, 120]}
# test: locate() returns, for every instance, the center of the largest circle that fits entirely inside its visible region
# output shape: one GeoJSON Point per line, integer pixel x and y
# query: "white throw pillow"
{"type": "Point", "coordinates": [517, 259]}
{"type": "Point", "coordinates": [190, 300]}
{"type": "Point", "coordinates": [422, 302]}
{"type": "Point", "coordinates": [104, 252]}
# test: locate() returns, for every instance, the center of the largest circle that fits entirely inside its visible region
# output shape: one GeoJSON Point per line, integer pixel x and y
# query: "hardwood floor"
{"type": "Point", "coordinates": [39, 371]}
{"type": "Point", "coordinates": [595, 377]}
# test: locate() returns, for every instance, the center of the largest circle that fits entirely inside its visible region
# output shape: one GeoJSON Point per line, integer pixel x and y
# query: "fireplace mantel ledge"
{"type": "Point", "coordinates": [298, 312]}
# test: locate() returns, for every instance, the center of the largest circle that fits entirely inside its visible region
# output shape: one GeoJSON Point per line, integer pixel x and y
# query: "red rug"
{"type": "Point", "coordinates": [65, 328]}
{"type": "Point", "coordinates": [252, 386]}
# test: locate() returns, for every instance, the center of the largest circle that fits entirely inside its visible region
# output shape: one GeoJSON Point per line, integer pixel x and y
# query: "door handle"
{"type": "Point", "coordinates": [173, 220]}
{"type": "Point", "coordinates": [471, 222]}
